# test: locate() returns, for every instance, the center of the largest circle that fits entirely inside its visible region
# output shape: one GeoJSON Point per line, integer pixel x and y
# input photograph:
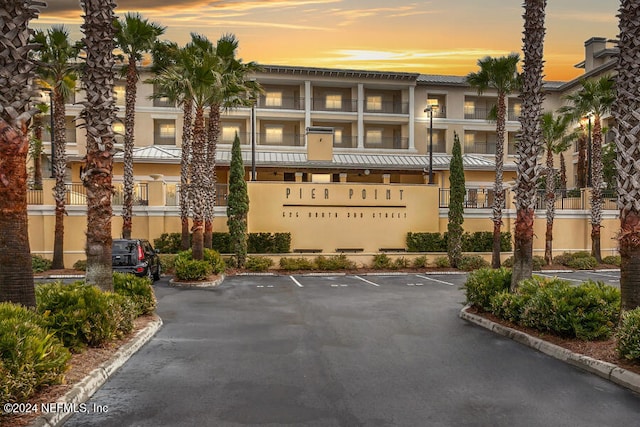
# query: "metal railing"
{"type": "Point", "coordinates": [34, 197]}
{"type": "Point", "coordinates": [284, 103]}
{"type": "Point", "coordinates": [174, 194]}
{"type": "Point", "coordinates": [76, 194]}
{"type": "Point", "coordinates": [476, 113]}
{"type": "Point", "coordinates": [392, 142]}
{"type": "Point", "coordinates": [140, 195]}
{"type": "Point", "coordinates": [563, 201]}
{"type": "Point", "coordinates": [475, 198]}
{"type": "Point", "coordinates": [345, 105]}
{"type": "Point", "coordinates": [387, 107]}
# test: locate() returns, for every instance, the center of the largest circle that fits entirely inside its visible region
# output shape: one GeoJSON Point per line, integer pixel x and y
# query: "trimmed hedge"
{"type": "Point", "coordinates": [30, 356]}
{"type": "Point", "coordinates": [479, 241]}
{"type": "Point", "coordinates": [258, 263]}
{"type": "Point", "coordinates": [269, 243]}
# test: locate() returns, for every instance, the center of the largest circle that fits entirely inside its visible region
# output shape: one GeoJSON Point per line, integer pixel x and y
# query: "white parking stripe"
{"type": "Point", "coordinates": [595, 273]}
{"type": "Point", "coordinates": [296, 282]}
{"type": "Point", "coordinates": [367, 281]}
{"type": "Point", "coordinates": [562, 278]}
{"type": "Point", "coordinates": [435, 280]}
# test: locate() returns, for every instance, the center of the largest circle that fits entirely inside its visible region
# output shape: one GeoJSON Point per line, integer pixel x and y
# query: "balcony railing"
{"type": "Point", "coordinates": [345, 105]}
{"type": "Point", "coordinates": [475, 198]}
{"type": "Point", "coordinates": [173, 195]}
{"type": "Point", "coordinates": [140, 195]}
{"type": "Point", "coordinates": [387, 107]}
{"type": "Point", "coordinates": [477, 113]}
{"type": "Point", "coordinates": [480, 147]}
{"type": "Point", "coordinates": [34, 197]}
{"type": "Point", "coordinates": [392, 143]}
{"type": "Point", "coordinates": [284, 103]}
{"type": "Point", "coordinates": [283, 140]}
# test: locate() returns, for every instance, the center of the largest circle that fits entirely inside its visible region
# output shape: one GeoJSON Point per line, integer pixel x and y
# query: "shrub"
{"type": "Point", "coordinates": [213, 257]}
{"type": "Point", "coordinates": [221, 242]}
{"type": "Point", "coordinates": [168, 243]}
{"type": "Point", "coordinates": [563, 259]}
{"type": "Point", "coordinates": [167, 262]}
{"type": "Point", "coordinates": [282, 243]}
{"type": "Point", "coordinates": [138, 290]}
{"type": "Point", "coordinates": [538, 262]}
{"type": "Point", "coordinates": [260, 243]}
{"type": "Point", "coordinates": [508, 305]}
{"type": "Point", "coordinates": [588, 311]}
{"type": "Point", "coordinates": [30, 356]}
{"type": "Point", "coordinates": [296, 264]}
{"type": "Point", "coordinates": [480, 241]}
{"type": "Point", "coordinates": [442, 262]}
{"type": "Point", "coordinates": [583, 262]}
{"type": "Point", "coordinates": [40, 264]}
{"type": "Point", "coordinates": [419, 262]}
{"type": "Point", "coordinates": [192, 269]}
{"type": "Point", "coordinates": [258, 263]}
{"type": "Point", "coordinates": [426, 242]}
{"type": "Point", "coordinates": [628, 335]}
{"type": "Point", "coordinates": [484, 283]}
{"type": "Point", "coordinates": [381, 262]}
{"type": "Point", "coordinates": [81, 265]}
{"type": "Point", "coordinates": [612, 260]}
{"type": "Point", "coordinates": [399, 263]}
{"type": "Point", "coordinates": [81, 314]}
{"type": "Point", "coordinates": [334, 262]}
{"type": "Point", "coordinates": [472, 262]}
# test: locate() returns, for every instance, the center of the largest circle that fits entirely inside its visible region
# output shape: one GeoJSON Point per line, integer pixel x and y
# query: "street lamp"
{"type": "Point", "coordinates": [429, 110]}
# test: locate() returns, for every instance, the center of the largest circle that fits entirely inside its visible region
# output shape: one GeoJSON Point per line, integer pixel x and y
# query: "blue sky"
{"type": "Point", "coordinates": [417, 36]}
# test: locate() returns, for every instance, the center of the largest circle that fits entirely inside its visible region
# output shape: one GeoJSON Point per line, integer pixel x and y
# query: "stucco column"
{"type": "Point", "coordinates": [412, 118]}
{"type": "Point", "coordinates": [307, 104]}
{"type": "Point", "coordinates": [157, 192]}
{"type": "Point", "coordinates": [47, 191]}
{"type": "Point", "coordinates": [343, 177]}
{"type": "Point", "coordinates": [360, 116]}
{"type": "Point", "coordinates": [298, 176]}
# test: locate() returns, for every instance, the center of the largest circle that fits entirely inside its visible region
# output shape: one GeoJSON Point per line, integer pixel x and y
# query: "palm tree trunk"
{"type": "Point", "coordinates": [185, 172]}
{"type": "Point", "coordinates": [59, 172]}
{"type": "Point", "coordinates": [551, 202]}
{"type": "Point", "coordinates": [16, 276]}
{"type": "Point", "coordinates": [213, 134]}
{"type": "Point", "coordinates": [530, 141]}
{"type": "Point", "coordinates": [198, 189]}
{"type": "Point", "coordinates": [129, 142]}
{"type": "Point", "coordinates": [98, 115]}
{"type": "Point", "coordinates": [37, 153]}
{"type": "Point", "coordinates": [596, 190]}
{"type": "Point", "coordinates": [563, 175]}
{"type": "Point", "coordinates": [498, 190]}
{"type": "Point", "coordinates": [627, 131]}
{"type": "Point", "coordinates": [581, 167]}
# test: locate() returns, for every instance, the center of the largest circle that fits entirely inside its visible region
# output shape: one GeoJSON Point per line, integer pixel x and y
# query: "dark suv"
{"type": "Point", "coordinates": [135, 256]}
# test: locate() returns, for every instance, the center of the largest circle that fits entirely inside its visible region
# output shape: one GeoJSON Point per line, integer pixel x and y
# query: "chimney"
{"type": "Point", "coordinates": [591, 48]}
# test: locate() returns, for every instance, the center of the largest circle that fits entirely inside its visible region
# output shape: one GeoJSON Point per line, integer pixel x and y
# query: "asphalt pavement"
{"type": "Point", "coordinates": [343, 351]}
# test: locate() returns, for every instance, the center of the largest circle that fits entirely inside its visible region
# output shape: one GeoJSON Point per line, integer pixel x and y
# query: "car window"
{"type": "Point", "coordinates": [122, 246]}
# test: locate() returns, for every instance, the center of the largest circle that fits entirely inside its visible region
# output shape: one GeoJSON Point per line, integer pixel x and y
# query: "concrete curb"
{"type": "Point", "coordinates": [82, 391]}
{"type": "Point", "coordinates": [212, 284]}
{"type": "Point", "coordinates": [605, 370]}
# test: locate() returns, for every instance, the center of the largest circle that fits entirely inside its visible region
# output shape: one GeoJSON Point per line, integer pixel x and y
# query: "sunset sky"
{"type": "Point", "coordinates": [431, 37]}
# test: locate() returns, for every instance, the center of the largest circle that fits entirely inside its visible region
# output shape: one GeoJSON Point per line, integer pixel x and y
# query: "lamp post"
{"type": "Point", "coordinates": [429, 110]}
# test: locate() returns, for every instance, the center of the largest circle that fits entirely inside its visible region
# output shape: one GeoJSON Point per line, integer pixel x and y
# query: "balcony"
{"type": "Point", "coordinates": [343, 105]}
{"type": "Point", "coordinates": [280, 139]}
{"type": "Point", "coordinates": [281, 103]}
{"type": "Point", "coordinates": [173, 195]}
{"type": "Point", "coordinates": [476, 113]}
{"type": "Point", "coordinates": [386, 107]}
{"type": "Point", "coordinates": [387, 143]}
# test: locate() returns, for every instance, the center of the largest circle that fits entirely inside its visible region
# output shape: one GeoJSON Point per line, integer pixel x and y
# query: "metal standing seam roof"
{"type": "Point", "coordinates": [172, 154]}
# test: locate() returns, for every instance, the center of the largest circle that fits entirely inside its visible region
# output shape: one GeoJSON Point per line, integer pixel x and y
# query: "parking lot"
{"type": "Point", "coordinates": [344, 350]}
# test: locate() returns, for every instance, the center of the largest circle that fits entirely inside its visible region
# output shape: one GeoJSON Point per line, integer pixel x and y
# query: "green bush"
{"type": "Point", "coordinates": [40, 264]}
{"type": "Point", "coordinates": [81, 314]}
{"type": "Point", "coordinates": [168, 243]}
{"type": "Point", "coordinates": [426, 242]}
{"type": "Point", "coordinates": [419, 262]}
{"type": "Point", "coordinates": [300, 263]}
{"type": "Point", "coordinates": [583, 263]}
{"type": "Point", "coordinates": [563, 259]}
{"type": "Point", "coordinates": [507, 305]}
{"type": "Point", "coordinates": [612, 260]}
{"type": "Point", "coordinates": [214, 258]}
{"type": "Point", "coordinates": [269, 243]}
{"type": "Point", "coordinates": [442, 262]}
{"type": "Point", "coordinates": [483, 284]}
{"type": "Point", "coordinates": [221, 242]}
{"type": "Point", "coordinates": [628, 335]}
{"type": "Point", "coordinates": [381, 262]}
{"type": "Point", "coordinates": [258, 263]}
{"type": "Point", "coordinates": [400, 263]}
{"type": "Point", "coordinates": [138, 290]}
{"type": "Point", "coordinates": [282, 243]}
{"type": "Point", "coordinates": [192, 269]}
{"type": "Point", "coordinates": [538, 262]}
{"type": "Point", "coordinates": [472, 262]}
{"type": "Point", "coordinates": [30, 355]}
{"type": "Point", "coordinates": [167, 262]}
{"type": "Point", "coordinates": [588, 311]}
{"type": "Point", "coordinates": [81, 265]}
{"type": "Point", "coordinates": [334, 262]}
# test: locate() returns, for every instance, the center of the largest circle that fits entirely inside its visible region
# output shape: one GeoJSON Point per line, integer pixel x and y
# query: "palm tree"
{"type": "Point", "coordinates": [595, 97]}
{"type": "Point", "coordinates": [530, 139]}
{"type": "Point", "coordinates": [628, 149]}
{"type": "Point", "coordinates": [231, 93]}
{"type": "Point", "coordinates": [170, 64]}
{"type": "Point", "coordinates": [98, 115]}
{"type": "Point", "coordinates": [134, 36]}
{"type": "Point", "coordinates": [500, 74]}
{"type": "Point", "coordinates": [57, 69]}
{"type": "Point", "coordinates": [555, 141]}
{"type": "Point", "coordinates": [36, 148]}
{"type": "Point", "coordinates": [16, 276]}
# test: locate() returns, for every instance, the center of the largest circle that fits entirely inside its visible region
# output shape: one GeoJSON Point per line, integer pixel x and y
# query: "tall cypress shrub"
{"type": "Point", "coordinates": [237, 205]}
{"type": "Point", "coordinates": [456, 204]}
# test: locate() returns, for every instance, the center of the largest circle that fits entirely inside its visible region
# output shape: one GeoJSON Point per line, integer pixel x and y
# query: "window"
{"type": "Point", "coordinates": [374, 136]}
{"type": "Point", "coordinates": [333, 102]}
{"type": "Point", "coordinates": [337, 136]}
{"type": "Point", "coordinates": [70, 129]}
{"type": "Point", "coordinates": [164, 132]}
{"type": "Point", "coordinates": [119, 93]}
{"type": "Point", "coordinates": [469, 108]}
{"type": "Point", "coordinates": [229, 133]}
{"type": "Point", "coordinates": [273, 99]}
{"type": "Point", "coordinates": [118, 131]}
{"type": "Point", "coordinates": [374, 103]}
{"type": "Point", "coordinates": [274, 134]}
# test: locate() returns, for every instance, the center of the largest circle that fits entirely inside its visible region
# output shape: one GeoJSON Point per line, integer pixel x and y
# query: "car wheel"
{"type": "Point", "coordinates": [158, 272]}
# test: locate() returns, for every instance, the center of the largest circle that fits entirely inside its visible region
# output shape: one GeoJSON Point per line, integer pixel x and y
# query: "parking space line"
{"type": "Point", "coordinates": [562, 278]}
{"type": "Point", "coordinates": [435, 280]}
{"type": "Point", "coordinates": [595, 273]}
{"type": "Point", "coordinates": [367, 281]}
{"type": "Point", "coordinates": [296, 282]}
